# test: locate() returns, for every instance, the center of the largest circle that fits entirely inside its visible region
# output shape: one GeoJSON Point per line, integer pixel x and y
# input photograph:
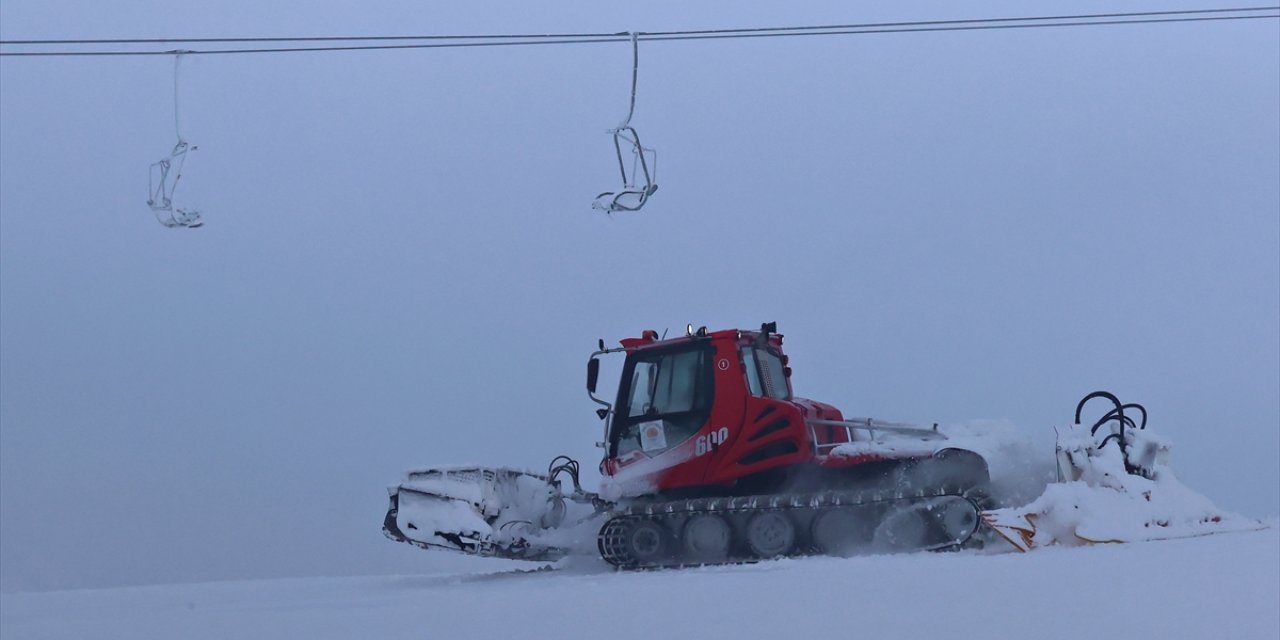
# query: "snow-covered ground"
{"type": "Point", "coordinates": [1218, 586]}
{"type": "Point", "coordinates": [1222, 585]}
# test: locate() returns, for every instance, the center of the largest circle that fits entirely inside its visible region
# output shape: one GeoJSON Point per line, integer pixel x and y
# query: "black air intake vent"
{"type": "Point", "coordinates": [771, 451]}
{"type": "Point", "coordinates": [776, 425]}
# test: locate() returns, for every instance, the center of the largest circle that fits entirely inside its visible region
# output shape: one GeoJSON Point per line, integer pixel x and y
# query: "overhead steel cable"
{"type": "Point", "coordinates": [615, 35]}
{"type": "Point", "coordinates": [982, 27]}
{"type": "Point", "coordinates": [448, 45]}
{"type": "Point", "coordinates": [443, 42]}
{"type": "Point", "coordinates": [529, 36]}
{"type": "Point", "coordinates": [931, 23]}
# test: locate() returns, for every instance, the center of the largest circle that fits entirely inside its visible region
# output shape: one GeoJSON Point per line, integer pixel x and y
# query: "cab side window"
{"type": "Point", "coordinates": [766, 375]}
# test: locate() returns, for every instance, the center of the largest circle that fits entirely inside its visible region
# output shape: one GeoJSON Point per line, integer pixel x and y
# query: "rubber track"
{"type": "Point", "coordinates": [612, 544]}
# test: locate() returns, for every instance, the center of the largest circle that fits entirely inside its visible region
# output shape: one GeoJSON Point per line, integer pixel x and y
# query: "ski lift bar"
{"type": "Point", "coordinates": [634, 193]}
{"type": "Point", "coordinates": [166, 172]}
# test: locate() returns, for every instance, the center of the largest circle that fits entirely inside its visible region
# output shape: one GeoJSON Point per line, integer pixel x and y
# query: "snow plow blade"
{"type": "Point", "coordinates": [479, 511]}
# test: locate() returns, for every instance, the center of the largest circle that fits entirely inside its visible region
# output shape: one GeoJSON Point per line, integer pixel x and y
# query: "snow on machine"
{"type": "Point", "coordinates": [709, 458]}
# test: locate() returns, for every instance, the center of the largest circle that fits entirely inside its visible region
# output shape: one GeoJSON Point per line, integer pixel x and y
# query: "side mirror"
{"type": "Point", "coordinates": [593, 374]}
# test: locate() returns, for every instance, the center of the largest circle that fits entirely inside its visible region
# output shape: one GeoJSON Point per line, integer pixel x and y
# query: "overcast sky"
{"type": "Point", "coordinates": [400, 265]}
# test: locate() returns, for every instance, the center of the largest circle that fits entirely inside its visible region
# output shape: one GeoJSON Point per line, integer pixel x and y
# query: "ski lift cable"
{"type": "Point", "coordinates": [1248, 13]}
{"type": "Point", "coordinates": [495, 36]}
{"type": "Point", "coordinates": [721, 36]}
{"type": "Point", "coordinates": [613, 36]}
{"type": "Point", "coordinates": [818, 29]}
{"type": "Point", "coordinates": [980, 27]}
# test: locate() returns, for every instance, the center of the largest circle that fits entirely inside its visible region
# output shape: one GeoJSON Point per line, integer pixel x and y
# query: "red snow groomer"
{"type": "Point", "coordinates": [709, 458]}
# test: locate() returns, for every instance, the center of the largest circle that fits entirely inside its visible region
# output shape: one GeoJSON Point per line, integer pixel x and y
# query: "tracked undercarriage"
{"type": "Point", "coordinates": [506, 513]}
{"type": "Point", "coordinates": [722, 530]}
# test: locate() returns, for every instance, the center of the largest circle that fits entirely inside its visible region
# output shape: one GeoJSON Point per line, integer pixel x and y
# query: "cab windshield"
{"type": "Point", "coordinates": [664, 399]}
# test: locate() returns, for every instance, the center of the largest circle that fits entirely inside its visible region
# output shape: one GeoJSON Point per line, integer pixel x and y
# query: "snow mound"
{"type": "Point", "coordinates": [1112, 496]}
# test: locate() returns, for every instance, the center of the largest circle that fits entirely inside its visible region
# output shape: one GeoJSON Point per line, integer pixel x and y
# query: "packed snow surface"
{"type": "Point", "coordinates": [1223, 583]}
{"type": "Point", "coordinates": [1218, 586]}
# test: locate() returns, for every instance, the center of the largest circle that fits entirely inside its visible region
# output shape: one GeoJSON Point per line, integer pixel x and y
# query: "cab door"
{"type": "Point", "coordinates": [665, 399]}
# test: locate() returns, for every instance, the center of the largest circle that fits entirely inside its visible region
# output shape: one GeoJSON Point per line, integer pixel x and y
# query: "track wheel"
{"type": "Point", "coordinates": [839, 532]}
{"type": "Point", "coordinates": [770, 534]}
{"type": "Point", "coordinates": [958, 520]}
{"type": "Point", "coordinates": [648, 542]}
{"type": "Point", "coordinates": [706, 538]}
{"type": "Point", "coordinates": [904, 530]}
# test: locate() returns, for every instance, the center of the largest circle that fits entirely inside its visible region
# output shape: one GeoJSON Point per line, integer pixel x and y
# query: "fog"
{"type": "Point", "coordinates": [400, 265]}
